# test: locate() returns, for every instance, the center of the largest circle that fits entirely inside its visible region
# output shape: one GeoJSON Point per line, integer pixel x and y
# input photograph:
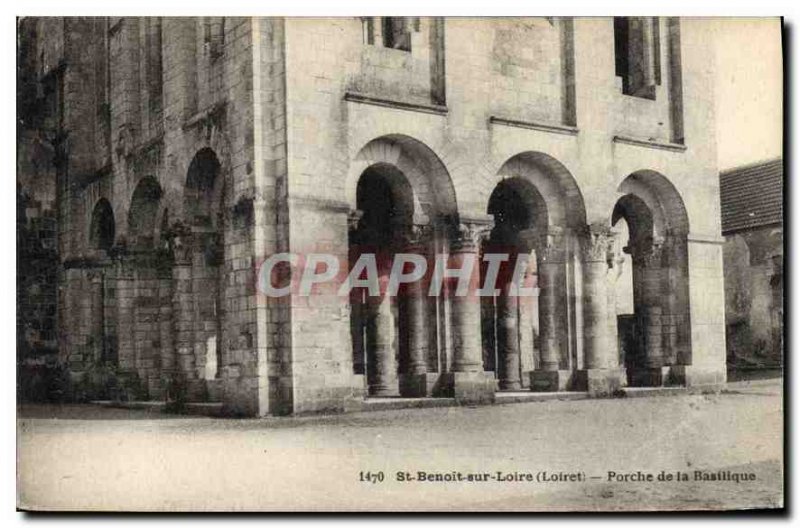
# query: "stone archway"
{"type": "Point", "coordinates": [198, 277]}
{"type": "Point", "coordinates": [150, 279]}
{"type": "Point", "coordinates": [101, 284]}
{"type": "Point", "coordinates": [102, 230]}
{"type": "Point", "coordinates": [402, 201]}
{"type": "Point", "coordinates": [142, 214]}
{"type": "Point", "coordinates": [509, 323]}
{"type": "Point", "coordinates": [539, 213]}
{"type": "Point", "coordinates": [656, 336]}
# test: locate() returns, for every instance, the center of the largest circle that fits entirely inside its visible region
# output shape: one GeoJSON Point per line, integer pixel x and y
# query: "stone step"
{"type": "Point", "coordinates": [213, 409]}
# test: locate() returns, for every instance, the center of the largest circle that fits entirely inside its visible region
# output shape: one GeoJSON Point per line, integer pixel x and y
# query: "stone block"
{"type": "Point", "coordinates": [238, 399]}
{"type": "Point", "coordinates": [700, 376]}
{"type": "Point", "coordinates": [470, 388]}
{"type": "Point", "coordinates": [648, 377]}
{"type": "Point", "coordinates": [551, 380]}
{"type": "Point", "coordinates": [418, 385]}
{"type": "Point", "coordinates": [600, 382]}
{"type": "Point", "coordinates": [328, 400]}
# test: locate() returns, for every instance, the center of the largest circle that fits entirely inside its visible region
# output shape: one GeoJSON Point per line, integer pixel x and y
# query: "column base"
{"type": "Point", "coordinates": [359, 384]}
{"type": "Point", "coordinates": [513, 386]}
{"type": "Point", "coordinates": [697, 376]}
{"type": "Point", "coordinates": [649, 377]}
{"type": "Point", "coordinates": [551, 380]}
{"type": "Point", "coordinates": [418, 385]}
{"type": "Point", "coordinates": [214, 390]}
{"type": "Point", "coordinates": [601, 382]}
{"type": "Point", "coordinates": [384, 392]}
{"type": "Point", "coordinates": [471, 387]}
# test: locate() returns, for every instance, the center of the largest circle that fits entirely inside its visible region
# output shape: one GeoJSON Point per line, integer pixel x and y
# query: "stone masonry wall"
{"type": "Point", "coordinates": [328, 127]}
{"type": "Point", "coordinates": [286, 109]}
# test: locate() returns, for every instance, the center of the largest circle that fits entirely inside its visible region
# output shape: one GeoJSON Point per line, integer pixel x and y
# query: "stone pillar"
{"type": "Point", "coordinates": [165, 325]}
{"type": "Point", "coordinates": [552, 300]}
{"type": "Point", "coordinates": [126, 350]}
{"type": "Point", "coordinates": [602, 375]}
{"type": "Point", "coordinates": [382, 377]}
{"type": "Point", "coordinates": [131, 382]}
{"type": "Point", "coordinates": [650, 313]}
{"type": "Point", "coordinates": [414, 382]}
{"type": "Point", "coordinates": [469, 381]}
{"type": "Point", "coordinates": [528, 323]}
{"type": "Point", "coordinates": [671, 318]}
{"type": "Point", "coordinates": [465, 318]}
{"type": "Point", "coordinates": [548, 309]}
{"type": "Point", "coordinates": [182, 319]}
{"type": "Point", "coordinates": [508, 339]}
{"type": "Point", "coordinates": [98, 330]}
{"type": "Point", "coordinates": [358, 313]}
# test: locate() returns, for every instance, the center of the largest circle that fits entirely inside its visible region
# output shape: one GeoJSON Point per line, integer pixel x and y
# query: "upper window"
{"type": "Point", "coordinates": [397, 33]}
{"type": "Point", "coordinates": [390, 32]}
{"type": "Point", "coordinates": [214, 36]}
{"type": "Point", "coordinates": [637, 53]}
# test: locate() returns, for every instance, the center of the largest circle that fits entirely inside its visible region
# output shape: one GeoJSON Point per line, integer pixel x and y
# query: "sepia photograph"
{"type": "Point", "coordinates": [400, 263]}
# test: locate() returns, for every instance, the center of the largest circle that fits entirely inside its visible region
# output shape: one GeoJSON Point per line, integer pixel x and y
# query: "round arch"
{"type": "Point", "coordinates": [203, 190]}
{"type": "Point", "coordinates": [434, 196]}
{"type": "Point", "coordinates": [143, 213]}
{"type": "Point", "coordinates": [516, 201]}
{"type": "Point", "coordinates": [661, 198]}
{"type": "Point", "coordinates": [102, 230]}
{"type": "Point", "coordinates": [553, 182]}
{"type": "Point", "coordinates": [658, 224]}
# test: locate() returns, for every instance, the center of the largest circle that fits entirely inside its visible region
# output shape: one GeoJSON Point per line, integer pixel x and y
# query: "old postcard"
{"type": "Point", "coordinates": [389, 263]}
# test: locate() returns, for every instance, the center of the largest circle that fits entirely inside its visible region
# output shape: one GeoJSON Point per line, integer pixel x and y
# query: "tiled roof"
{"type": "Point", "coordinates": [752, 196]}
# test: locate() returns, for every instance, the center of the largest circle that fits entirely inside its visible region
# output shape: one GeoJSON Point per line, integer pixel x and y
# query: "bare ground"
{"type": "Point", "coordinates": [90, 458]}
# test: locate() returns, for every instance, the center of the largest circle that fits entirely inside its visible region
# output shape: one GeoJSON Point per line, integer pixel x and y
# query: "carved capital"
{"type": "Point", "coordinates": [353, 219]}
{"type": "Point", "coordinates": [528, 238]}
{"type": "Point", "coordinates": [417, 238]}
{"type": "Point", "coordinates": [181, 249]}
{"type": "Point", "coordinates": [598, 244]}
{"type": "Point", "coordinates": [472, 235]}
{"type": "Point", "coordinates": [551, 247]}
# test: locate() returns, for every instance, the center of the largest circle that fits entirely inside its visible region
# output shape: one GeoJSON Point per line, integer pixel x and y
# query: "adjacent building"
{"type": "Point", "coordinates": [752, 224]}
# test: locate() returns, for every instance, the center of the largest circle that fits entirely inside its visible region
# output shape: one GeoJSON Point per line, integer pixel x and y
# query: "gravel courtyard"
{"type": "Point", "coordinates": [88, 458]}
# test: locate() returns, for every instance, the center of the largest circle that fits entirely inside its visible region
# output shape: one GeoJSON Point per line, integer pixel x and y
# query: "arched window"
{"type": "Point", "coordinates": [200, 189]}
{"type": "Point", "coordinates": [103, 228]}
{"type": "Point", "coordinates": [142, 213]}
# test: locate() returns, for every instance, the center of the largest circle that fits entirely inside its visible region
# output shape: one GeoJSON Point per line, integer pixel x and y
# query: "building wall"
{"type": "Point", "coordinates": [753, 262]}
{"type": "Point", "coordinates": [329, 124]}
{"type": "Point", "coordinates": [156, 98]}
{"type": "Point", "coordinates": [294, 110]}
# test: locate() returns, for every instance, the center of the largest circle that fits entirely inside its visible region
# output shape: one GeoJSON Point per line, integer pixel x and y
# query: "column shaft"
{"type": "Point", "coordinates": [466, 319]}
{"type": "Point", "coordinates": [508, 340]}
{"type": "Point", "coordinates": [417, 304]}
{"type": "Point", "coordinates": [183, 316]}
{"type": "Point", "coordinates": [548, 323]}
{"type": "Point", "coordinates": [381, 359]}
{"type": "Point", "coordinates": [599, 313]}
{"type": "Point", "coordinates": [470, 383]}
